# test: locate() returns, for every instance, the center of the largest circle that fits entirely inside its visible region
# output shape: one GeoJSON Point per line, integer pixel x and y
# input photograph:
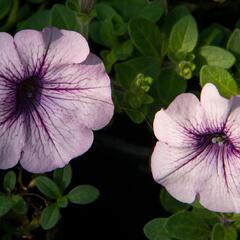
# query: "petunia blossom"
{"type": "Point", "coordinates": [53, 93]}
{"type": "Point", "coordinates": [198, 150]}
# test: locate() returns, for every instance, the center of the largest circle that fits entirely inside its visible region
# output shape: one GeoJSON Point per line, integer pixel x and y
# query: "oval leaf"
{"type": "Point", "coordinates": [63, 176]}
{"type": "Point", "coordinates": [83, 194]}
{"type": "Point", "coordinates": [9, 181]}
{"type": "Point", "coordinates": [184, 35]}
{"type": "Point", "coordinates": [38, 21]}
{"type": "Point", "coordinates": [216, 56]}
{"type": "Point", "coordinates": [19, 205]}
{"type": "Point", "coordinates": [155, 229]}
{"type": "Point", "coordinates": [5, 205]}
{"type": "Point", "coordinates": [187, 226]}
{"type": "Point", "coordinates": [217, 232]}
{"type": "Point", "coordinates": [49, 188]}
{"type": "Point", "coordinates": [221, 78]}
{"type": "Point", "coordinates": [145, 35]}
{"type": "Point", "coordinates": [49, 217]}
{"type": "Point", "coordinates": [233, 43]}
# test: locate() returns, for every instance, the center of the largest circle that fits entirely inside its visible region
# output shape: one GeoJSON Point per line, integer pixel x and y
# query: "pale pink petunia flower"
{"type": "Point", "coordinates": [198, 150]}
{"type": "Point", "coordinates": [53, 93]}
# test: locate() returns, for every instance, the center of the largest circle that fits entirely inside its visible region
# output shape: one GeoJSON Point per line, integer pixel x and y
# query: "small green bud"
{"type": "Point", "coordinates": [186, 68]}
{"type": "Point", "coordinates": [143, 82]}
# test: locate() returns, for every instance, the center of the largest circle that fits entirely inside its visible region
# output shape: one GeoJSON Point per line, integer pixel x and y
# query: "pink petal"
{"type": "Point", "coordinates": [217, 108]}
{"type": "Point", "coordinates": [11, 142]}
{"type": "Point", "coordinates": [210, 176]}
{"type": "Point", "coordinates": [220, 191]}
{"type": "Point", "coordinates": [84, 88]}
{"type": "Point", "coordinates": [10, 64]}
{"type": "Point", "coordinates": [168, 130]}
{"type": "Point", "coordinates": [186, 107]}
{"type": "Point", "coordinates": [52, 46]}
{"type": "Point", "coordinates": [54, 138]}
{"type": "Point", "coordinates": [170, 168]}
{"type": "Point", "coordinates": [184, 112]}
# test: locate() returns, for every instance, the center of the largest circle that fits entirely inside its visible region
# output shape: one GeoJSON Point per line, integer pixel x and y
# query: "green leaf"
{"type": "Point", "coordinates": [184, 36]}
{"type": "Point", "coordinates": [216, 56]}
{"type": "Point", "coordinates": [5, 205]}
{"type": "Point", "coordinates": [62, 202]}
{"type": "Point", "coordinates": [120, 52]}
{"type": "Point", "coordinates": [217, 232]}
{"type": "Point", "coordinates": [221, 78]}
{"type": "Point", "coordinates": [170, 204]}
{"type": "Point", "coordinates": [108, 36]}
{"type": "Point", "coordinates": [233, 43]}
{"type": "Point", "coordinates": [187, 226]}
{"type": "Point", "coordinates": [49, 188]}
{"type": "Point", "coordinates": [152, 12]}
{"type": "Point", "coordinates": [137, 115]}
{"type": "Point", "coordinates": [63, 176]}
{"type": "Point", "coordinates": [220, 232]}
{"type": "Point", "coordinates": [146, 65]}
{"type": "Point", "coordinates": [38, 21]}
{"type": "Point", "coordinates": [145, 35]}
{"type": "Point", "coordinates": [36, 1]}
{"type": "Point", "coordinates": [19, 205]}
{"type": "Point", "coordinates": [73, 5]}
{"type": "Point", "coordinates": [104, 11]}
{"type": "Point", "coordinates": [168, 85]}
{"type": "Point", "coordinates": [175, 15]}
{"type": "Point", "coordinates": [5, 8]}
{"type": "Point", "coordinates": [63, 17]}
{"type": "Point", "coordinates": [83, 194]}
{"type": "Point", "coordinates": [49, 216]}
{"type": "Point", "coordinates": [209, 217]}
{"type": "Point", "coordinates": [155, 229]}
{"type": "Point", "coordinates": [9, 181]}
{"type": "Point", "coordinates": [230, 233]}
{"type": "Point", "coordinates": [130, 9]}
{"type": "Point", "coordinates": [215, 35]}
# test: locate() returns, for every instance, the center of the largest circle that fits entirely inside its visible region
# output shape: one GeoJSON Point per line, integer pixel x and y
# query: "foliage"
{"type": "Point", "coordinates": [48, 193]}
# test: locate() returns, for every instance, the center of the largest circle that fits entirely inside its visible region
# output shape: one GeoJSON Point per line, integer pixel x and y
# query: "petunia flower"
{"type": "Point", "coordinates": [198, 150]}
{"type": "Point", "coordinates": [53, 93]}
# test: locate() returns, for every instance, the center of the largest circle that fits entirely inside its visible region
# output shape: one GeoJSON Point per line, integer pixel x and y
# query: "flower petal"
{"type": "Point", "coordinates": [217, 108]}
{"type": "Point", "coordinates": [167, 130]}
{"type": "Point", "coordinates": [40, 50]}
{"type": "Point", "coordinates": [183, 113]}
{"type": "Point", "coordinates": [11, 68]}
{"type": "Point", "coordinates": [84, 88]}
{"type": "Point", "coordinates": [12, 140]}
{"type": "Point", "coordinates": [221, 190]}
{"type": "Point", "coordinates": [65, 46]}
{"type": "Point", "coordinates": [211, 175]}
{"type": "Point", "coordinates": [54, 138]}
{"type": "Point", "coordinates": [186, 108]}
{"type": "Point", "coordinates": [171, 168]}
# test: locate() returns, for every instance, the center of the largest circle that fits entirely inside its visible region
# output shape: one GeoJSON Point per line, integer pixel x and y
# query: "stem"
{"type": "Point", "coordinates": [20, 181]}
{"type": "Point", "coordinates": [35, 195]}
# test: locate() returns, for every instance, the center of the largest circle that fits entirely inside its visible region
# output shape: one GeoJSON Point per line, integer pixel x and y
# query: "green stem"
{"type": "Point", "coordinates": [35, 195]}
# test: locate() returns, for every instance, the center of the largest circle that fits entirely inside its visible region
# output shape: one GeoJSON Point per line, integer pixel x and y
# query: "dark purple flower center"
{"type": "Point", "coordinates": [28, 91]}
{"type": "Point", "coordinates": [212, 139]}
